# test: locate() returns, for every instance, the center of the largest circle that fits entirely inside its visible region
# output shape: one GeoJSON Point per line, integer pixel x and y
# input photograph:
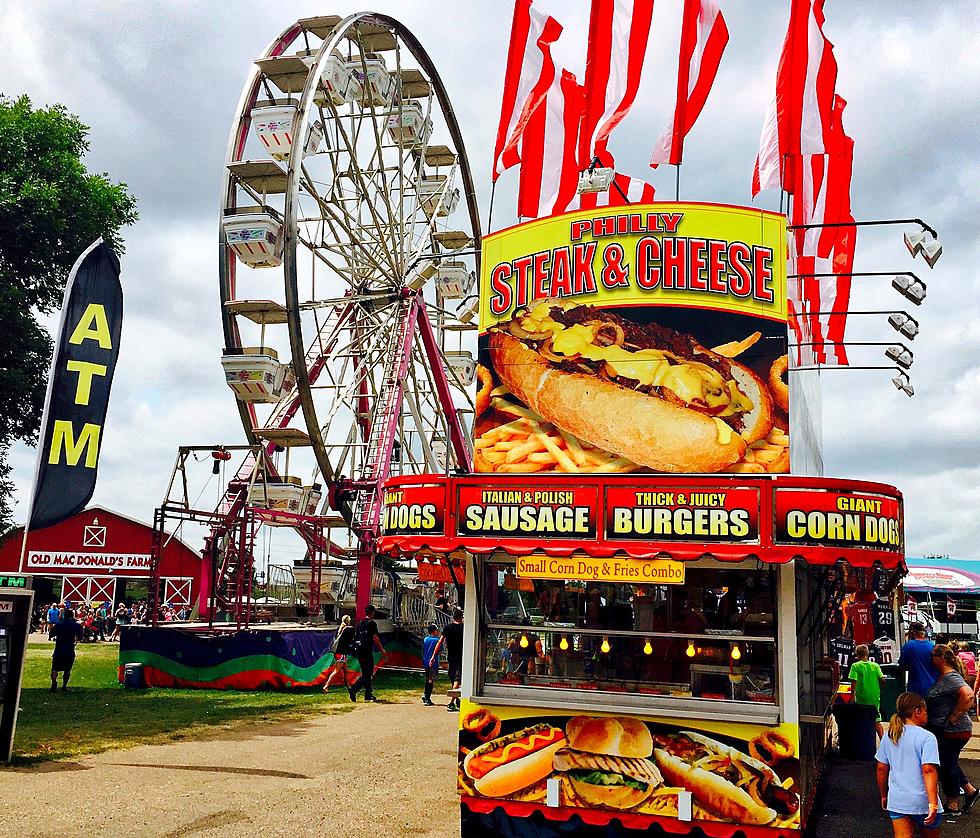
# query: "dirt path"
{"type": "Point", "coordinates": [382, 769]}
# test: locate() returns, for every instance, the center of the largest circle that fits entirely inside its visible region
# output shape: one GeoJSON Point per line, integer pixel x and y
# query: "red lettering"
{"type": "Point", "coordinates": [540, 276]}
{"type": "Point", "coordinates": [696, 264]}
{"type": "Point", "coordinates": [604, 226]}
{"type": "Point", "coordinates": [716, 267]}
{"type": "Point", "coordinates": [501, 299]}
{"type": "Point", "coordinates": [561, 273]}
{"type": "Point", "coordinates": [647, 260]}
{"type": "Point", "coordinates": [522, 268]}
{"type": "Point", "coordinates": [675, 255]}
{"type": "Point", "coordinates": [584, 255]}
{"type": "Point", "coordinates": [671, 221]}
{"type": "Point", "coordinates": [739, 282]}
{"type": "Point", "coordinates": [580, 228]}
{"type": "Point", "coordinates": [762, 263]}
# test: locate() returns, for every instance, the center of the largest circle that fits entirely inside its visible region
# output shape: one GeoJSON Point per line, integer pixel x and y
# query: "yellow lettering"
{"type": "Point", "coordinates": [64, 436]}
{"type": "Point", "coordinates": [92, 325]}
{"type": "Point", "coordinates": [86, 371]}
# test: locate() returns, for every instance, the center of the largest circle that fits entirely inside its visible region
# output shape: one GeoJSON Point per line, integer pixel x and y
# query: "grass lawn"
{"type": "Point", "coordinates": [98, 714]}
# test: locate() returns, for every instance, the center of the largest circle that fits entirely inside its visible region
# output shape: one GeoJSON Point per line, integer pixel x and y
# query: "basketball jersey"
{"type": "Point", "coordinates": [842, 648]}
{"type": "Point", "coordinates": [862, 629]}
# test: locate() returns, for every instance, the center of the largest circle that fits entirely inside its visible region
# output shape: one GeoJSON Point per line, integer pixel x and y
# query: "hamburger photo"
{"type": "Point", "coordinates": [605, 761]}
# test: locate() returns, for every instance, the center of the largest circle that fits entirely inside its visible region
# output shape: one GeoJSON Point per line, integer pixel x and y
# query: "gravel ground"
{"type": "Point", "coordinates": [379, 770]}
{"type": "Point", "coordinates": [382, 769]}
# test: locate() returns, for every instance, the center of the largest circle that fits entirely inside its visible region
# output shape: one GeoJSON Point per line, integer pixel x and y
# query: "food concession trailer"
{"type": "Point", "coordinates": [680, 678]}
{"type": "Point", "coordinates": [649, 592]}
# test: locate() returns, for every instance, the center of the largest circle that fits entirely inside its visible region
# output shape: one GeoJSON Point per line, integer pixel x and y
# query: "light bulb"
{"type": "Point", "coordinates": [647, 647]}
{"type": "Point", "coordinates": [690, 649]}
{"type": "Point", "coordinates": [563, 645]}
{"type": "Point", "coordinates": [605, 645]}
{"type": "Point", "coordinates": [524, 641]}
{"type": "Point", "coordinates": [736, 652]}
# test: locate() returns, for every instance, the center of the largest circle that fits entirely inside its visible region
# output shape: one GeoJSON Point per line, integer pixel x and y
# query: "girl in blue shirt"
{"type": "Point", "coordinates": [908, 775]}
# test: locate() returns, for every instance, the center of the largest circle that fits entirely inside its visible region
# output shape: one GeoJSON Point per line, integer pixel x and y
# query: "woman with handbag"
{"type": "Point", "coordinates": [949, 701]}
{"type": "Point", "coordinates": [341, 648]}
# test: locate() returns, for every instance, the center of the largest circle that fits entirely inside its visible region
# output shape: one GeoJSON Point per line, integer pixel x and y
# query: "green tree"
{"type": "Point", "coordinates": [51, 209]}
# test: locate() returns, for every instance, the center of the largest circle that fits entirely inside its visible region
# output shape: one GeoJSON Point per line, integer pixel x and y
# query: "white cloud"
{"type": "Point", "coordinates": [160, 96]}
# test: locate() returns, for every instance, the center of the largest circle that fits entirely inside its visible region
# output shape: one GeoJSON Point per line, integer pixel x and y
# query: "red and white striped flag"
{"type": "Point", "coordinates": [549, 165]}
{"type": "Point", "coordinates": [798, 120]}
{"type": "Point", "coordinates": [618, 35]}
{"type": "Point", "coordinates": [821, 190]}
{"type": "Point", "coordinates": [530, 73]}
{"type": "Point", "coordinates": [704, 37]}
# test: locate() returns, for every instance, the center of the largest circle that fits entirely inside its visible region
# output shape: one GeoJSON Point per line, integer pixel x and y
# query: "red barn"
{"type": "Point", "coordinates": [94, 555]}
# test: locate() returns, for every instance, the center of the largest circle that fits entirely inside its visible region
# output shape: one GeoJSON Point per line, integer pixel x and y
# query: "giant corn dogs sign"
{"type": "Point", "coordinates": [645, 338]}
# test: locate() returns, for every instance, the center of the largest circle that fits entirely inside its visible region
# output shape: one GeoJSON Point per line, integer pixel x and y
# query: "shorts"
{"type": "Point", "coordinates": [62, 663]}
{"type": "Point", "coordinates": [432, 673]}
{"type": "Point", "coordinates": [455, 671]}
{"type": "Point", "coordinates": [916, 819]}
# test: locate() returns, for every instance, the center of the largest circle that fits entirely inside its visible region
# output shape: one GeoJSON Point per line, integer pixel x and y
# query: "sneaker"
{"type": "Point", "coordinates": [452, 707]}
{"type": "Point", "coordinates": [64, 689]}
{"type": "Point", "coordinates": [352, 694]}
{"type": "Point", "coordinates": [970, 800]}
{"type": "Point", "coordinates": [370, 698]}
{"type": "Point", "coordinates": [54, 689]}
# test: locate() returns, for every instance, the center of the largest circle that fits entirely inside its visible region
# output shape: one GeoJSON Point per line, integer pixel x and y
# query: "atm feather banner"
{"type": "Point", "coordinates": [82, 367]}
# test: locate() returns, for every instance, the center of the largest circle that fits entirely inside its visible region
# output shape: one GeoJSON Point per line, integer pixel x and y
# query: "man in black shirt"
{"type": "Point", "coordinates": [366, 637]}
{"type": "Point", "coordinates": [452, 638]}
{"type": "Point", "coordinates": [64, 634]}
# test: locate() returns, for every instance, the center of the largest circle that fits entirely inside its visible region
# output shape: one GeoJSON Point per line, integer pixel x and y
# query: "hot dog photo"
{"type": "Point", "coordinates": [568, 386]}
{"type": "Point", "coordinates": [625, 764]}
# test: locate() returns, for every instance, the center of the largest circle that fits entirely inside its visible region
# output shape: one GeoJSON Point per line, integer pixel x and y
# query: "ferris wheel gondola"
{"type": "Point", "coordinates": [349, 217]}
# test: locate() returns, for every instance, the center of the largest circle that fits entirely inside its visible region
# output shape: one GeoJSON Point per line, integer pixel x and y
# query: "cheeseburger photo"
{"type": "Point", "coordinates": [606, 762]}
{"type": "Point", "coordinates": [645, 392]}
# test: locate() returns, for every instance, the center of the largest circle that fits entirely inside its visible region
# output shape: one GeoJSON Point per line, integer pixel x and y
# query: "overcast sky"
{"type": "Point", "coordinates": [158, 83]}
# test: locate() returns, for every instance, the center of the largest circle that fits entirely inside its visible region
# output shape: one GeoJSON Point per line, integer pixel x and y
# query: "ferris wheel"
{"type": "Point", "coordinates": [348, 256]}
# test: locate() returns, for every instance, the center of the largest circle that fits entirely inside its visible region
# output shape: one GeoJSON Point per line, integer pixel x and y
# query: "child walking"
{"type": "Point", "coordinates": [908, 770]}
{"type": "Point", "coordinates": [430, 660]}
{"type": "Point", "coordinates": [868, 678]}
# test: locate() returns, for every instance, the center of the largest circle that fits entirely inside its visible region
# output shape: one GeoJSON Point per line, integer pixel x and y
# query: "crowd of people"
{"type": "Point", "coordinates": [919, 772]}
{"type": "Point", "coordinates": [99, 621]}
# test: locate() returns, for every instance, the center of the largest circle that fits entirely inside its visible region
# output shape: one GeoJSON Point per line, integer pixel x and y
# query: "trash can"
{"type": "Point", "coordinates": [856, 730]}
{"type": "Point", "coordinates": [133, 676]}
{"type": "Point", "coordinates": [893, 687]}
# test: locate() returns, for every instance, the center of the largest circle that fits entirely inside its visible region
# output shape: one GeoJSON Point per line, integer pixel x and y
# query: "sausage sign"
{"type": "Point", "coordinates": [78, 388]}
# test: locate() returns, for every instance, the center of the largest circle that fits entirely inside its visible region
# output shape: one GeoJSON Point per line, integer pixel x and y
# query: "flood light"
{"type": "Point", "coordinates": [605, 647]}
{"type": "Point", "coordinates": [524, 641]}
{"type": "Point", "coordinates": [904, 383]}
{"type": "Point", "coordinates": [901, 322]}
{"type": "Point", "coordinates": [647, 647]}
{"type": "Point", "coordinates": [736, 653]}
{"type": "Point", "coordinates": [931, 251]}
{"type": "Point", "coordinates": [910, 287]}
{"type": "Point", "coordinates": [690, 651]}
{"type": "Point", "coordinates": [900, 355]}
{"type": "Point", "coordinates": [914, 241]}
{"type": "Point", "coordinates": [595, 180]}
{"type": "Point", "coordinates": [563, 644]}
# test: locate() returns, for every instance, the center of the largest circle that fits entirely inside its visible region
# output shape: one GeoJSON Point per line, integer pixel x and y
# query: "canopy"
{"type": "Point", "coordinates": [943, 575]}
{"type": "Point", "coordinates": [771, 519]}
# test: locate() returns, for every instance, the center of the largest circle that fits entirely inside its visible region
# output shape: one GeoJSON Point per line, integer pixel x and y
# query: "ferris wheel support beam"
{"type": "Point", "coordinates": [457, 434]}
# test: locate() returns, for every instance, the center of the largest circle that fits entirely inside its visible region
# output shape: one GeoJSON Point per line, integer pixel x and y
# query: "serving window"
{"type": "Point", "coordinates": [712, 638]}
